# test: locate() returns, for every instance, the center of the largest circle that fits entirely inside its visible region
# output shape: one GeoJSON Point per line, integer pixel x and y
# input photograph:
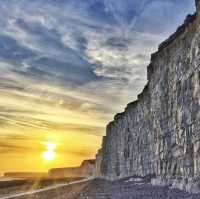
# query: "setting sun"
{"type": "Point", "coordinates": [50, 153]}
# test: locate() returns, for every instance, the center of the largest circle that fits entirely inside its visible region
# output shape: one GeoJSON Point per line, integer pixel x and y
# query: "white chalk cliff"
{"type": "Point", "coordinates": [159, 133]}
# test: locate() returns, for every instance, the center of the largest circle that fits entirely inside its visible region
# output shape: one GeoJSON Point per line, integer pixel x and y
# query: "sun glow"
{"type": "Point", "coordinates": [50, 154]}
{"type": "Point", "coordinates": [51, 146]}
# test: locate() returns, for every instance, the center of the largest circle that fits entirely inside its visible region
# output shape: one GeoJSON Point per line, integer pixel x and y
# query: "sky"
{"type": "Point", "coordinates": [67, 66]}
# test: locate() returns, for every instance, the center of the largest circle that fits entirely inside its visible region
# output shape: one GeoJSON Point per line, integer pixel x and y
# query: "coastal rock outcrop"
{"type": "Point", "coordinates": [159, 134]}
{"type": "Point", "coordinates": [85, 170]}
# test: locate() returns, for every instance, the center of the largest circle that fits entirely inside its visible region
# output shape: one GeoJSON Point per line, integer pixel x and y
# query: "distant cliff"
{"type": "Point", "coordinates": [86, 169]}
{"type": "Point", "coordinates": [160, 132]}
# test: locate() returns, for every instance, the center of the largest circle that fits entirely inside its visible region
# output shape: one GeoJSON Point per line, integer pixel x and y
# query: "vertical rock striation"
{"type": "Point", "coordinates": [160, 132]}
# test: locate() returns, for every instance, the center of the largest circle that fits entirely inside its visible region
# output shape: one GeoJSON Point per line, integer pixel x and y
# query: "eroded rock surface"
{"type": "Point", "coordinates": [160, 132]}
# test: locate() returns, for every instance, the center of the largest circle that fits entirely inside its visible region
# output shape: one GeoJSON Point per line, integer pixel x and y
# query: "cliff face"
{"type": "Point", "coordinates": [86, 169]}
{"type": "Point", "coordinates": [160, 132]}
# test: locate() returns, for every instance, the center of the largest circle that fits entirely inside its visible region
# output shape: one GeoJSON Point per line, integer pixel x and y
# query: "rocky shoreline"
{"type": "Point", "coordinates": [128, 188]}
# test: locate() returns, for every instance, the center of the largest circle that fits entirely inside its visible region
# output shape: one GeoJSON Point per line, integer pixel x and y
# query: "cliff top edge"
{"type": "Point", "coordinates": [180, 30]}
